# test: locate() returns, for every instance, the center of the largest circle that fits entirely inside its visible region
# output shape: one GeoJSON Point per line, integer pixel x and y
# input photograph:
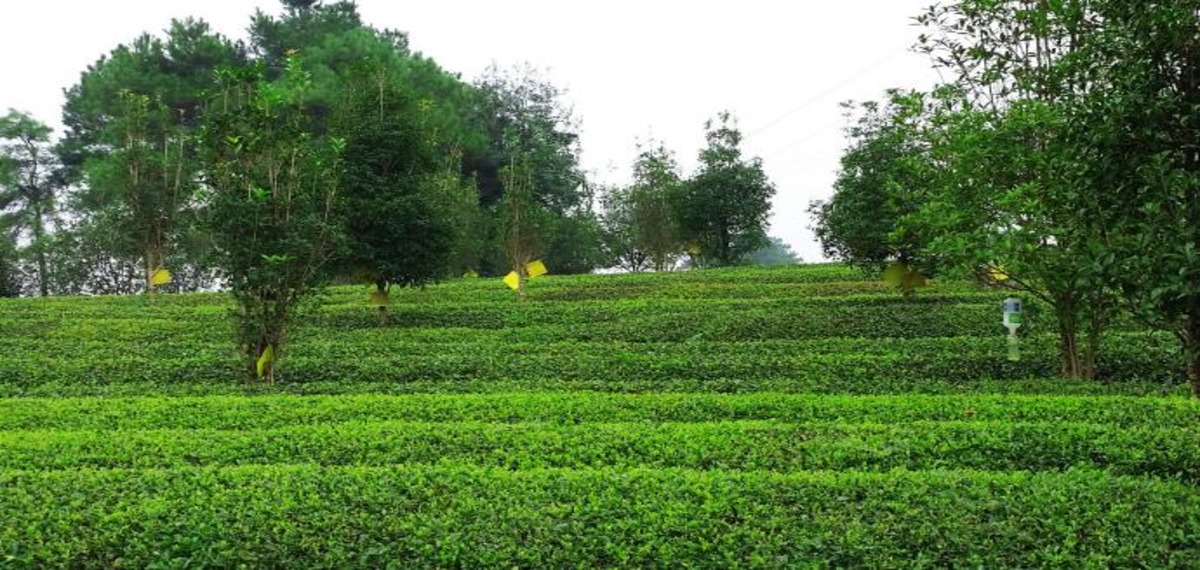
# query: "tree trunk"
{"type": "Point", "coordinates": [381, 287]}
{"type": "Point", "coordinates": [271, 333]}
{"type": "Point", "coordinates": [1191, 348]}
{"type": "Point", "coordinates": [725, 253]}
{"type": "Point", "coordinates": [1068, 346]}
{"type": "Point", "coordinates": [43, 283]}
{"type": "Point", "coordinates": [150, 267]}
{"type": "Point", "coordinates": [1091, 349]}
{"type": "Point", "coordinates": [522, 277]}
{"type": "Point", "coordinates": [39, 232]}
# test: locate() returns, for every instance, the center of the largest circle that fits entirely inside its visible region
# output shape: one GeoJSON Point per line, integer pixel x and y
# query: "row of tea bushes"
{"type": "Point", "coordinates": [452, 516]}
{"type": "Point", "coordinates": [741, 445]}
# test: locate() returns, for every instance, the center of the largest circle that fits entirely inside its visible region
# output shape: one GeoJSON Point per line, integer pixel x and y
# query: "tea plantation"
{"type": "Point", "coordinates": [785, 417]}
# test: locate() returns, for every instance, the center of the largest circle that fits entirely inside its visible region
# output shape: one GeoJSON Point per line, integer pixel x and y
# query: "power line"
{"type": "Point", "coordinates": [808, 165]}
{"type": "Point", "coordinates": [848, 80]}
{"type": "Point", "coordinates": [816, 133]}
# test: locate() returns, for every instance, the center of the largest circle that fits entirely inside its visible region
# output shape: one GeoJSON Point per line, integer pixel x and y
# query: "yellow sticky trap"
{"type": "Point", "coordinates": [380, 298]}
{"type": "Point", "coordinates": [895, 273]}
{"type": "Point", "coordinates": [904, 276]}
{"type": "Point", "coordinates": [535, 269]}
{"type": "Point", "coordinates": [997, 274]}
{"type": "Point", "coordinates": [512, 280]}
{"type": "Point", "coordinates": [161, 276]}
{"type": "Point", "coordinates": [470, 274]}
{"type": "Point", "coordinates": [265, 358]}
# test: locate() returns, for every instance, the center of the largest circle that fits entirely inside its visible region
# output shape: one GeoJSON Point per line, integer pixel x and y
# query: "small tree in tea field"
{"type": "Point", "coordinates": [272, 198]}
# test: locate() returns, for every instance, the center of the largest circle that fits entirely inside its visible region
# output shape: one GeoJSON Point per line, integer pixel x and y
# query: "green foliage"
{"type": "Point", "coordinates": [28, 189]}
{"type": "Point", "coordinates": [273, 203]}
{"type": "Point", "coordinates": [884, 174]}
{"type": "Point", "coordinates": [776, 252]}
{"type": "Point", "coordinates": [259, 515]}
{"type": "Point", "coordinates": [10, 268]}
{"type": "Point", "coordinates": [667, 419]}
{"type": "Point", "coordinates": [722, 211]}
{"type": "Point", "coordinates": [130, 152]}
{"type": "Point", "coordinates": [526, 122]}
{"type": "Point", "coordinates": [746, 445]}
{"type": "Point", "coordinates": [530, 150]}
{"type": "Point", "coordinates": [525, 223]}
{"type": "Point", "coordinates": [152, 414]}
{"type": "Point", "coordinates": [789, 416]}
{"type": "Point", "coordinates": [576, 245]}
{"type": "Point", "coordinates": [176, 71]}
{"type": "Point", "coordinates": [640, 224]}
{"type": "Point", "coordinates": [619, 231]}
{"type": "Point", "coordinates": [1014, 193]}
{"type": "Point", "coordinates": [1133, 129]}
{"type": "Point", "coordinates": [801, 328]}
{"type": "Point", "coordinates": [400, 224]}
{"type": "Point", "coordinates": [145, 184]}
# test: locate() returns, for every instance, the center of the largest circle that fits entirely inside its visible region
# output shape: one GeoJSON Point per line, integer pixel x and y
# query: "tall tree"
{"type": "Point", "coordinates": [273, 203]}
{"type": "Point", "coordinates": [656, 179]}
{"type": "Point", "coordinates": [723, 210]}
{"type": "Point", "coordinates": [148, 178]}
{"type": "Point", "coordinates": [525, 223]}
{"type": "Point", "coordinates": [129, 152]}
{"type": "Point", "coordinates": [176, 70]}
{"type": "Point", "coordinates": [639, 220]}
{"type": "Point", "coordinates": [337, 47]}
{"type": "Point", "coordinates": [400, 225]}
{"type": "Point", "coordinates": [884, 172]}
{"type": "Point", "coordinates": [27, 187]}
{"type": "Point", "coordinates": [522, 116]}
{"type": "Point", "coordinates": [1135, 126]}
{"type": "Point", "coordinates": [620, 233]}
{"type": "Point", "coordinates": [576, 242]}
{"type": "Point", "coordinates": [1013, 198]}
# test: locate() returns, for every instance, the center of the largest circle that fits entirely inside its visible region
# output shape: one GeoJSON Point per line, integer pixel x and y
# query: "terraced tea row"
{"type": "Point", "coordinates": [455, 516]}
{"type": "Point", "coordinates": [272, 412]}
{"type": "Point", "coordinates": [823, 313]}
{"type": "Point", "coordinates": [1136, 363]}
{"type": "Point", "coordinates": [743, 445]}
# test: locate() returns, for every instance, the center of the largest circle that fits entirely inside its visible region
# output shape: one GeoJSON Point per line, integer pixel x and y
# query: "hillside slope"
{"type": "Point", "coordinates": [788, 417]}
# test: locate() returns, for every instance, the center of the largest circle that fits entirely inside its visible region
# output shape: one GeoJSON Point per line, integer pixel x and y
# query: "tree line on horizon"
{"type": "Point", "coordinates": [324, 149]}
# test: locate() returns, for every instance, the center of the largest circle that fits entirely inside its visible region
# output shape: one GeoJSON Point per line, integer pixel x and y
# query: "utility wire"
{"type": "Point", "coordinates": [848, 80]}
{"type": "Point", "coordinates": [814, 134]}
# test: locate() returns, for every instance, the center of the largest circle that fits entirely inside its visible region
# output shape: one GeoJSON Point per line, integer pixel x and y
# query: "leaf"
{"type": "Point", "coordinates": [268, 355]}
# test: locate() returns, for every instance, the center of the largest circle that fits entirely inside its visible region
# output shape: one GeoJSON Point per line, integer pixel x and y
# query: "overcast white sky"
{"type": "Point", "coordinates": [630, 68]}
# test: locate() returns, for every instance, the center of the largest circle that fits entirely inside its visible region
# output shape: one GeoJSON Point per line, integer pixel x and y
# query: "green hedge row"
{"type": "Point", "coordinates": [270, 412]}
{"type": "Point", "coordinates": [437, 311]}
{"type": "Point", "coordinates": [864, 386]}
{"type": "Point", "coordinates": [336, 345]}
{"type": "Point", "coordinates": [880, 369]}
{"type": "Point", "coordinates": [455, 517]}
{"type": "Point", "coordinates": [752, 446]}
{"type": "Point", "coordinates": [646, 325]}
{"type": "Point", "coordinates": [757, 281]}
